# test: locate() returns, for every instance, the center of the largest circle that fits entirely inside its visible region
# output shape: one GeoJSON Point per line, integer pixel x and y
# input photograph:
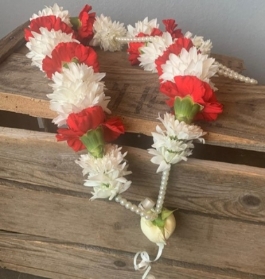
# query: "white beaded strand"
{"type": "Point", "coordinates": [162, 191]}
{"type": "Point", "coordinates": [126, 40]}
{"type": "Point", "coordinates": [136, 209]}
{"type": "Point", "coordinates": [227, 72]}
{"type": "Point", "coordinates": [223, 70]}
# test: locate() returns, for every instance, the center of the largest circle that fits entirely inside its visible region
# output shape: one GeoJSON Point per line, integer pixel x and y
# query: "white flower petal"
{"type": "Point", "coordinates": [43, 44]}
{"type": "Point", "coordinates": [74, 89]}
{"type": "Point", "coordinates": [189, 63]}
{"type": "Point", "coordinates": [56, 11]}
{"type": "Point", "coordinates": [105, 32]}
{"type": "Point", "coordinates": [107, 174]}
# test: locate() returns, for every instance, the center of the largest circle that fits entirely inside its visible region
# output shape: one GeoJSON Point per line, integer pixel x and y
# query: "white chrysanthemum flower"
{"type": "Point", "coordinates": [106, 175]}
{"type": "Point", "coordinates": [189, 63]}
{"type": "Point", "coordinates": [105, 32]}
{"type": "Point", "coordinates": [56, 11]}
{"type": "Point", "coordinates": [179, 129]}
{"type": "Point", "coordinates": [203, 46]}
{"type": "Point", "coordinates": [144, 26]}
{"type": "Point", "coordinates": [74, 89]}
{"type": "Point", "coordinates": [152, 50]}
{"type": "Point", "coordinates": [173, 144]}
{"type": "Point", "coordinates": [43, 44]}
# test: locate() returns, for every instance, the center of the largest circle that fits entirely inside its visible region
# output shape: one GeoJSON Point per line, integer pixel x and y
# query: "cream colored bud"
{"type": "Point", "coordinates": [158, 234]}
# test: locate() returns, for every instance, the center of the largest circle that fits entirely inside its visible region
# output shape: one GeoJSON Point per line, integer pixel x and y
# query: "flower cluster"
{"type": "Point", "coordinates": [184, 70]}
{"type": "Point", "coordinates": [60, 46]}
{"type": "Point", "coordinates": [56, 44]}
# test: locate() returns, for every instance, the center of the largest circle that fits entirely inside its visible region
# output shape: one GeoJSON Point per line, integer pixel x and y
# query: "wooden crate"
{"type": "Point", "coordinates": [48, 226]}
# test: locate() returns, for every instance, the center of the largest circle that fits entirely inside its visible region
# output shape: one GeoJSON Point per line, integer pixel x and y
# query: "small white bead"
{"type": "Point", "coordinates": [147, 217]}
{"type": "Point", "coordinates": [162, 193]}
{"type": "Point", "coordinates": [123, 201]}
{"type": "Point", "coordinates": [247, 79]}
{"type": "Point", "coordinates": [142, 214]}
{"type": "Point", "coordinates": [159, 203]}
{"type": "Point", "coordinates": [138, 211]}
{"type": "Point", "coordinates": [117, 199]}
{"type": "Point", "coordinates": [128, 205]}
{"type": "Point", "coordinates": [133, 208]}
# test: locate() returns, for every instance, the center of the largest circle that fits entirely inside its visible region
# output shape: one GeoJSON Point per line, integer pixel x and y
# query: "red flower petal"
{"type": "Point", "coordinates": [113, 127]}
{"type": "Point", "coordinates": [48, 22]}
{"type": "Point", "coordinates": [72, 139]}
{"type": "Point", "coordinates": [200, 91]}
{"type": "Point", "coordinates": [79, 124]}
{"type": "Point", "coordinates": [85, 30]}
{"type": "Point", "coordinates": [171, 26]}
{"type": "Point", "coordinates": [133, 48]}
{"type": "Point", "coordinates": [133, 51]}
{"type": "Point", "coordinates": [87, 119]}
{"type": "Point", "coordinates": [175, 48]}
{"type": "Point", "coordinates": [68, 52]}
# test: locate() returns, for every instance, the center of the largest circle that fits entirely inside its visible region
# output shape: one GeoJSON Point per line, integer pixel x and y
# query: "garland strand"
{"type": "Point", "coordinates": [61, 47]}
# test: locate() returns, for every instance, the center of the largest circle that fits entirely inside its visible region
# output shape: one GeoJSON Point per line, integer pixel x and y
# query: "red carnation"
{"type": "Point", "coordinates": [66, 53]}
{"type": "Point", "coordinates": [175, 48]}
{"type": "Point", "coordinates": [48, 22]}
{"type": "Point", "coordinates": [133, 49]}
{"type": "Point", "coordinates": [86, 120]}
{"type": "Point", "coordinates": [170, 26]}
{"type": "Point", "coordinates": [84, 25]}
{"type": "Point", "coordinates": [200, 92]}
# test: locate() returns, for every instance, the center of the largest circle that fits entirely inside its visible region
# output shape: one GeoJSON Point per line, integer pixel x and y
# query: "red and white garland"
{"type": "Point", "coordinates": [58, 45]}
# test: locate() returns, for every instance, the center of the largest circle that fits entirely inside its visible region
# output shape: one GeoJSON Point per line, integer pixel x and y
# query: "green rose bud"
{"type": "Point", "coordinates": [185, 109]}
{"type": "Point", "coordinates": [94, 142]}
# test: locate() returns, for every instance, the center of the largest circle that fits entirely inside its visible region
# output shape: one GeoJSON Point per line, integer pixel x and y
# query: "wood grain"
{"type": "Point", "coordinates": [134, 96]}
{"type": "Point", "coordinates": [228, 190]}
{"type": "Point", "coordinates": [199, 239]}
{"type": "Point", "coordinates": [12, 41]}
{"type": "Point", "coordinates": [70, 260]}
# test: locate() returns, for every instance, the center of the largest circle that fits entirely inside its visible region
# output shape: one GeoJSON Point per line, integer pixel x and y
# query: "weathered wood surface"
{"type": "Point", "coordinates": [72, 260]}
{"type": "Point", "coordinates": [135, 97]}
{"type": "Point", "coordinates": [228, 190]}
{"type": "Point", "coordinates": [199, 239]}
{"type": "Point", "coordinates": [49, 227]}
{"type": "Point", "coordinates": [12, 41]}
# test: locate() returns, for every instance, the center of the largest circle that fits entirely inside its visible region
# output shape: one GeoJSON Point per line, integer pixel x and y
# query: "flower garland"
{"type": "Point", "coordinates": [60, 46]}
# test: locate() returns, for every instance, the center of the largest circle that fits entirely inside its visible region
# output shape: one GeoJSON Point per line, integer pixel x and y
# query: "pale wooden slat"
{"type": "Point", "coordinates": [12, 41]}
{"type": "Point", "coordinates": [135, 97]}
{"type": "Point", "coordinates": [218, 188]}
{"type": "Point", "coordinates": [69, 260]}
{"type": "Point", "coordinates": [198, 239]}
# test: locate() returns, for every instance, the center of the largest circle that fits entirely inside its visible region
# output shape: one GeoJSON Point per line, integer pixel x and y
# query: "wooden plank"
{"type": "Point", "coordinates": [199, 239]}
{"type": "Point", "coordinates": [135, 97]}
{"type": "Point", "coordinates": [233, 63]}
{"type": "Point", "coordinates": [228, 190]}
{"type": "Point", "coordinates": [12, 41]}
{"type": "Point", "coordinates": [70, 260]}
